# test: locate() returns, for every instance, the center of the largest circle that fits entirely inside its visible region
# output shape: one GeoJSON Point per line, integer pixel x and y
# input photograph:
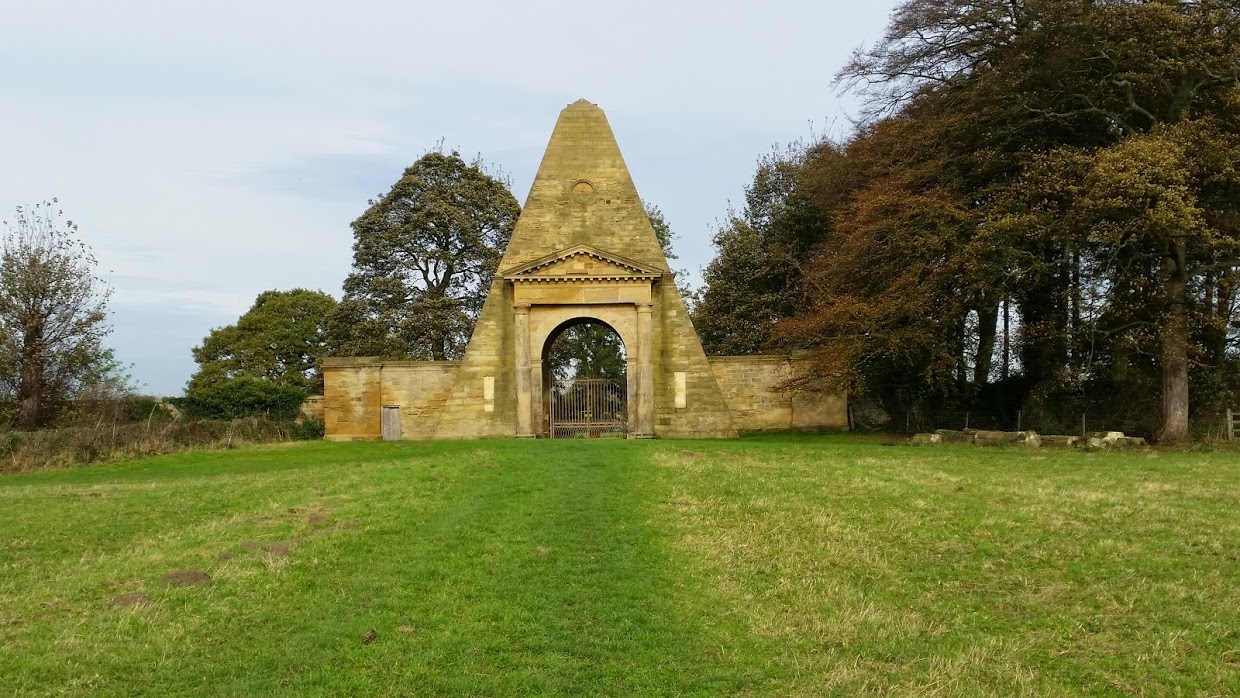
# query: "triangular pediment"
{"type": "Point", "coordinates": [582, 262]}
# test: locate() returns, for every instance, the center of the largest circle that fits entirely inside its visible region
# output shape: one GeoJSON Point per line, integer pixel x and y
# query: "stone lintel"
{"type": "Point", "coordinates": [643, 278]}
{"type": "Point", "coordinates": [378, 362]}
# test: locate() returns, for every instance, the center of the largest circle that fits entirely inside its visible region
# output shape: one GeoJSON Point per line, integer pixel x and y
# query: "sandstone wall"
{"type": "Point", "coordinates": [421, 389]}
{"type": "Point", "coordinates": [356, 389]}
{"type": "Point", "coordinates": [703, 412]}
{"type": "Point", "coordinates": [312, 408]}
{"type": "Point", "coordinates": [351, 399]}
{"type": "Point", "coordinates": [752, 387]}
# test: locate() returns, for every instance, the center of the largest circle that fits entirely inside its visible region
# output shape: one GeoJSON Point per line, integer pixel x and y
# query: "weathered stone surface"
{"type": "Point", "coordinates": [997, 437]}
{"type": "Point", "coordinates": [1102, 439]}
{"type": "Point", "coordinates": [1060, 440]}
{"type": "Point", "coordinates": [357, 389]}
{"type": "Point", "coordinates": [954, 436]}
{"type": "Point", "coordinates": [753, 387]}
{"type": "Point", "coordinates": [312, 408]}
{"type": "Point", "coordinates": [927, 438]}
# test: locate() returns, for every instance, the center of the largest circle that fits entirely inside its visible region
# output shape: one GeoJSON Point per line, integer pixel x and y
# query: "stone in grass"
{"type": "Point", "coordinates": [1103, 439]}
{"type": "Point", "coordinates": [927, 439]}
{"type": "Point", "coordinates": [190, 577]}
{"type": "Point", "coordinates": [987, 438]}
{"type": "Point", "coordinates": [1060, 440]}
{"type": "Point", "coordinates": [996, 438]}
{"type": "Point", "coordinates": [955, 437]}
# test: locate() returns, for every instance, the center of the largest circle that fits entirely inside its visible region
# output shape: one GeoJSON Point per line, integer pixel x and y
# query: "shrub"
{"type": "Point", "coordinates": [244, 396]}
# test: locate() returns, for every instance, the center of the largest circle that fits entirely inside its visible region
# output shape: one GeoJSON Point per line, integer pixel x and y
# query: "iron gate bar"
{"type": "Point", "coordinates": [589, 408]}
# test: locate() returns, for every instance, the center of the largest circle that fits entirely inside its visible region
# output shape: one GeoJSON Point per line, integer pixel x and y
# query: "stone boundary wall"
{"type": "Point", "coordinates": [753, 389]}
{"type": "Point", "coordinates": [356, 389]}
{"type": "Point", "coordinates": [312, 408]}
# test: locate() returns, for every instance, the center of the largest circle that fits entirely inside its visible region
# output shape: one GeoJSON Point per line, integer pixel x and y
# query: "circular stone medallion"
{"type": "Point", "coordinates": [583, 191]}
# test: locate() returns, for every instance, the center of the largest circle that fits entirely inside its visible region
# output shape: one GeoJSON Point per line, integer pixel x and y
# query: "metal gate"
{"type": "Point", "coordinates": [589, 408]}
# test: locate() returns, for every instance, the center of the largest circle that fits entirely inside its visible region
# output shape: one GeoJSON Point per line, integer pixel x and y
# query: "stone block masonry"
{"type": "Point", "coordinates": [754, 387]}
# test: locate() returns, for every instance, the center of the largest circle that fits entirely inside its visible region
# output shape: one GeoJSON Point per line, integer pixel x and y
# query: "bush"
{"type": "Point", "coordinates": [244, 396]}
{"type": "Point", "coordinates": [308, 430]}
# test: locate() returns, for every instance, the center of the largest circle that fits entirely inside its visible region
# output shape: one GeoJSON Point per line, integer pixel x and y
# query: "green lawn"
{"type": "Point", "coordinates": [770, 566]}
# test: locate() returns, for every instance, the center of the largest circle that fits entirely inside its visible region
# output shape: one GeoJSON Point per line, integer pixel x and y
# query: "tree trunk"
{"type": "Point", "coordinates": [1174, 340]}
{"type": "Point", "coordinates": [1074, 333]}
{"type": "Point", "coordinates": [962, 361]}
{"type": "Point", "coordinates": [1007, 342]}
{"type": "Point", "coordinates": [987, 321]}
{"type": "Point", "coordinates": [30, 387]}
{"type": "Point", "coordinates": [1119, 359]}
{"type": "Point", "coordinates": [1225, 300]}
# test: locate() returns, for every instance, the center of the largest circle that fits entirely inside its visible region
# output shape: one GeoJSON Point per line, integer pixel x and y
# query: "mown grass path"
{"type": "Point", "coordinates": [776, 566]}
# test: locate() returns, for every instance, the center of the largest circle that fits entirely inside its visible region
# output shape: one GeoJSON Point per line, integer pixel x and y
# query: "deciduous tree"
{"type": "Point", "coordinates": [53, 314]}
{"type": "Point", "coordinates": [424, 255]}
{"type": "Point", "coordinates": [756, 278]}
{"type": "Point", "coordinates": [1063, 161]}
{"type": "Point", "coordinates": [280, 339]}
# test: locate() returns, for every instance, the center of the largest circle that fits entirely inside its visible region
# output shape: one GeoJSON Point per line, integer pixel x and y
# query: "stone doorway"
{"type": "Point", "coordinates": [585, 378]}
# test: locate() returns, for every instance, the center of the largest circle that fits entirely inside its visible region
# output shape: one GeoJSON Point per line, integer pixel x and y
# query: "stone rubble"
{"type": "Point", "coordinates": [1092, 440]}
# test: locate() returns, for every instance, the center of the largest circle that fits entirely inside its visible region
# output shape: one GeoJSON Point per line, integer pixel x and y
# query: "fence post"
{"type": "Point", "coordinates": [1231, 425]}
{"type": "Point", "coordinates": [1019, 415]}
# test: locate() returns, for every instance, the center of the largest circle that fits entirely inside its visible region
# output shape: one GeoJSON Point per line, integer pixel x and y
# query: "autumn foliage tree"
{"type": "Point", "coordinates": [1039, 208]}
{"type": "Point", "coordinates": [756, 278]}
{"type": "Point", "coordinates": [1057, 159]}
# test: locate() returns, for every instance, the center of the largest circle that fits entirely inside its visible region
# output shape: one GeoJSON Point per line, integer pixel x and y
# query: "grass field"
{"type": "Point", "coordinates": [770, 566]}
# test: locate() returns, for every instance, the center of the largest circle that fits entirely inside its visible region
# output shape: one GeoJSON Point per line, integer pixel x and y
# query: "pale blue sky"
{"type": "Point", "coordinates": [210, 151]}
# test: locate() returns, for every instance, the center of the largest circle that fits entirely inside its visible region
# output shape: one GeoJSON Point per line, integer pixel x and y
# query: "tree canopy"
{"type": "Point", "coordinates": [1040, 211]}
{"type": "Point", "coordinates": [424, 255]}
{"type": "Point", "coordinates": [280, 339]}
{"type": "Point", "coordinates": [755, 279]}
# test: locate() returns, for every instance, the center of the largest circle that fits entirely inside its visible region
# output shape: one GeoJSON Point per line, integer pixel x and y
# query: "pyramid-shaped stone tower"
{"type": "Point", "coordinates": [583, 248]}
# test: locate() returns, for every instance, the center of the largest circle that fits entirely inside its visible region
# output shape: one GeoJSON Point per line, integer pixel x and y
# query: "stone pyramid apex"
{"type": "Point", "coordinates": [583, 194]}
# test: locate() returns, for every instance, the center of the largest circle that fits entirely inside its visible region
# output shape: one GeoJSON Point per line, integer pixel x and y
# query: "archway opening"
{"type": "Point", "coordinates": [585, 381]}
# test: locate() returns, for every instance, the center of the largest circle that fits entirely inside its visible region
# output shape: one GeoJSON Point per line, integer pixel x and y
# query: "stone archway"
{"type": "Point", "coordinates": [601, 388]}
{"type": "Point", "coordinates": [578, 285]}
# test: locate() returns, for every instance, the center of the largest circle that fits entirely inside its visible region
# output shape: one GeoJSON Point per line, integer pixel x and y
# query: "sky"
{"type": "Point", "coordinates": [211, 151]}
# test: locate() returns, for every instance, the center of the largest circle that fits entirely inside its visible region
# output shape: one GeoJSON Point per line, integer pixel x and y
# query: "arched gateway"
{"type": "Point", "coordinates": [583, 248]}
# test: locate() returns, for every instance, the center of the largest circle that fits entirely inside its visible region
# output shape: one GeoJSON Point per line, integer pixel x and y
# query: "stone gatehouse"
{"type": "Point", "coordinates": [582, 250]}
